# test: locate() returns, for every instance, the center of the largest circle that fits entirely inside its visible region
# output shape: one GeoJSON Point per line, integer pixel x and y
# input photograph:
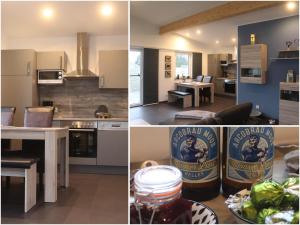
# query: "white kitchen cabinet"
{"type": "Point", "coordinates": [52, 60]}
{"type": "Point", "coordinates": [112, 143]}
{"type": "Point", "coordinates": [113, 69]}
{"type": "Point", "coordinates": [18, 81]}
{"type": "Point", "coordinates": [112, 147]}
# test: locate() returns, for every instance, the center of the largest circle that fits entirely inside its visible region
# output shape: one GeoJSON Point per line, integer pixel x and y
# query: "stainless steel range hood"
{"type": "Point", "coordinates": [82, 70]}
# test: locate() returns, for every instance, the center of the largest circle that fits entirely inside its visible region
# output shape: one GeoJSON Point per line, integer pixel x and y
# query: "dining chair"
{"type": "Point", "coordinates": [7, 118]}
{"type": "Point", "coordinates": [206, 92]}
{"type": "Point", "coordinates": [35, 117]}
{"type": "Point", "coordinates": [199, 78]}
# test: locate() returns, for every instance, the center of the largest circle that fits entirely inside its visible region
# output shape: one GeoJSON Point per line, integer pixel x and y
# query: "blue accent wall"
{"type": "Point", "coordinates": [274, 34]}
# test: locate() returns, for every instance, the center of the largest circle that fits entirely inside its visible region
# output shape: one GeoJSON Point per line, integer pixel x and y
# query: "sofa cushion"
{"type": "Point", "coordinates": [208, 121]}
{"type": "Point", "coordinates": [194, 114]}
{"type": "Point", "coordinates": [235, 115]}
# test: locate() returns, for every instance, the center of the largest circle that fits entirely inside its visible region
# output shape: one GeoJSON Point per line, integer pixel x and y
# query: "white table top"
{"type": "Point", "coordinates": [41, 129]}
{"type": "Point", "coordinates": [124, 119]}
{"type": "Point", "coordinates": [193, 84]}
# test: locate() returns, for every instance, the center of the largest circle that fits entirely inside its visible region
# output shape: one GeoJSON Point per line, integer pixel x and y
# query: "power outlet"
{"type": "Point", "coordinates": [257, 107]}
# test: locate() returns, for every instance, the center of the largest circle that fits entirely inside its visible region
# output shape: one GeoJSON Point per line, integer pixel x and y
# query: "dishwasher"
{"type": "Point", "coordinates": [112, 143]}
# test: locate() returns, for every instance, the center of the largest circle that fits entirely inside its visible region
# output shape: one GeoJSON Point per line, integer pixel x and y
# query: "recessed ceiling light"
{"type": "Point", "coordinates": [198, 32]}
{"type": "Point", "coordinates": [47, 13]}
{"type": "Point", "coordinates": [106, 10]}
{"type": "Point", "coordinates": [291, 5]}
{"type": "Point", "coordinates": [187, 34]}
{"type": "Point", "coordinates": [217, 41]}
{"type": "Point", "coordinates": [233, 39]}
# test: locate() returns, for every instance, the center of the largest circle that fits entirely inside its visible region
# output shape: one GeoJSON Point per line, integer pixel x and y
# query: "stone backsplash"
{"type": "Point", "coordinates": [81, 97]}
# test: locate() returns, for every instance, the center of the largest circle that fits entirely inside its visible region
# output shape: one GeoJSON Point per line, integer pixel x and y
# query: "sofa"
{"type": "Point", "coordinates": [234, 115]}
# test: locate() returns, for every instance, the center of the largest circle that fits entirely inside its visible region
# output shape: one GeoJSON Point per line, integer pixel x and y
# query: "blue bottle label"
{"type": "Point", "coordinates": [250, 153]}
{"type": "Point", "coordinates": [194, 150]}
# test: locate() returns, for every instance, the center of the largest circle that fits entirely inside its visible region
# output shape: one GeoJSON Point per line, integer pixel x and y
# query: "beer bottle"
{"type": "Point", "coordinates": [195, 151]}
{"type": "Point", "coordinates": [247, 157]}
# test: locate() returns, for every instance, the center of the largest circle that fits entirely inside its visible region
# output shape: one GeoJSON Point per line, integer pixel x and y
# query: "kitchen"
{"type": "Point", "coordinates": [187, 65]}
{"type": "Point", "coordinates": [60, 59]}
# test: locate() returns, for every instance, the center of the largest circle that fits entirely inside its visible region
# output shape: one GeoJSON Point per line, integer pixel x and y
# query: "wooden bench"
{"type": "Point", "coordinates": [22, 167]}
{"type": "Point", "coordinates": [187, 97]}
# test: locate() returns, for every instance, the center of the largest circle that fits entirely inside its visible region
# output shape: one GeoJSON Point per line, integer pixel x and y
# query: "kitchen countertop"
{"type": "Point", "coordinates": [90, 119]}
{"type": "Point", "coordinates": [218, 204]}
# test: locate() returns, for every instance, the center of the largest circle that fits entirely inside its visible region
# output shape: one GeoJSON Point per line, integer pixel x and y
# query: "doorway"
{"type": "Point", "coordinates": [136, 77]}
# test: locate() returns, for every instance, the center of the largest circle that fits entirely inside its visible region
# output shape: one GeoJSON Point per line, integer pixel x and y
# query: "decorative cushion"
{"type": "Point", "coordinates": [194, 114]}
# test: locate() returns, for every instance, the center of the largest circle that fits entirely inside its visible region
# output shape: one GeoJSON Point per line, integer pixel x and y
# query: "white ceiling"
{"type": "Point", "coordinates": [24, 19]}
{"type": "Point", "coordinates": [162, 13]}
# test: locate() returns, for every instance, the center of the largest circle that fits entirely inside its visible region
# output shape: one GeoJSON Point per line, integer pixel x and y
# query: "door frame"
{"type": "Point", "coordinates": [141, 50]}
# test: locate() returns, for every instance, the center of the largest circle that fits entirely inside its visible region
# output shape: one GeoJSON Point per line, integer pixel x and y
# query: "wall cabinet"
{"type": "Point", "coordinates": [52, 60]}
{"type": "Point", "coordinates": [289, 104]}
{"type": "Point", "coordinates": [253, 63]}
{"type": "Point", "coordinates": [18, 62]}
{"type": "Point", "coordinates": [214, 67]}
{"type": "Point", "coordinates": [18, 81]}
{"type": "Point", "coordinates": [225, 57]}
{"type": "Point", "coordinates": [214, 63]}
{"type": "Point", "coordinates": [113, 69]}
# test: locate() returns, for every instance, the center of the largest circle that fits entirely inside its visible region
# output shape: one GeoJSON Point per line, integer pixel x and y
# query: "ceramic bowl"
{"type": "Point", "coordinates": [201, 214]}
{"type": "Point", "coordinates": [237, 213]}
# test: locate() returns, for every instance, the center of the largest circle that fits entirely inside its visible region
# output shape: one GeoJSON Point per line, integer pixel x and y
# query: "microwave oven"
{"type": "Point", "coordinates": [50, 76]}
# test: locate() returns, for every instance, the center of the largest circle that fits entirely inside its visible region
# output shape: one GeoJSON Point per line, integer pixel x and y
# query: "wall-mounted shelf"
{"type": "Point", "coordinates": [253, 64]}
{"type": "Point", "coordinates": [292, 58]}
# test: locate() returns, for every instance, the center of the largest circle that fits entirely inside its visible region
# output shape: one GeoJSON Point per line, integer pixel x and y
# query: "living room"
{"type": "Point", "coordinates": [214, 63]}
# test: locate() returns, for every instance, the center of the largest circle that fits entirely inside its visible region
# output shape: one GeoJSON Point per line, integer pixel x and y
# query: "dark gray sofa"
{"type": "Point", "coordinates": [235, 115]}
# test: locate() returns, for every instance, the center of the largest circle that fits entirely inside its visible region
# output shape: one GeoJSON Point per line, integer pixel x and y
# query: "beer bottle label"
{"type": "Point", "coordinates": [194, 150]}
{"type": "Point", "coordinates": [250, 153]}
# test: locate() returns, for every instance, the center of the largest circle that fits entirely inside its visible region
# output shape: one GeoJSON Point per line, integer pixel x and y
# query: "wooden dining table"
{"type": "Point", "coordinates": [197, 86]}
{"type": "Point", "coordinates": [56, 142]}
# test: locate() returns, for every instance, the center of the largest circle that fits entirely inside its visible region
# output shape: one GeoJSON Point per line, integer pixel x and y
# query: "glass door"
{"type": "Point", "coordinates": [135, 73]}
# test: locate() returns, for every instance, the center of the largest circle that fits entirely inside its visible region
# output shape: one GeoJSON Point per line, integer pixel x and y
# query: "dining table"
{"type": "Point", "coordinates": [197, 86]}
{"type": "Point", "coordinates": [56, 147]}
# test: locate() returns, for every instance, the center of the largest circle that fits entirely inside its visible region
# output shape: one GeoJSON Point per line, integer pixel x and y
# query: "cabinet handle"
{"type": "Point", "coordinates": [28, 68]}
{"type": "Point", "coordinates": [101, 81]}
{"type": "Point", "coordinates": [61, 59]}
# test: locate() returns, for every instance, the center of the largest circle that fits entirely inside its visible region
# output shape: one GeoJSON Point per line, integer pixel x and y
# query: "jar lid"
{"type": "Point", "coordinates": [157, 180]}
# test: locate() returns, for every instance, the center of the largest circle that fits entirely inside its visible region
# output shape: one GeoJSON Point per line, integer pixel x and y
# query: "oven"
{"type": "Point", "coordinates": [50, 76]}
{"type": "Point", "coordinates": [229, 86]}
{"type": "Point", "coordinates": [82, 142]}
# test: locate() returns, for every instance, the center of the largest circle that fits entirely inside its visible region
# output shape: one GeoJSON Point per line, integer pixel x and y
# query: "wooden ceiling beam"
{"type": "Point", "coordinates": [218, 13]}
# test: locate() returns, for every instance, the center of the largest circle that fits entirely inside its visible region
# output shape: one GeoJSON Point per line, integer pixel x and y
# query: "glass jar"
{"type": "Point", "coordinates": [157, 197]}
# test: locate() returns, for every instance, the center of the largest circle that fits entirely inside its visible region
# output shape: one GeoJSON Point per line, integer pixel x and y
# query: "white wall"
{"type": "Point", "coordinates": [164, 83]}
{"type": "Point", "coordinates": [146, 35]}
{"type": "Point", "coordinates": [69, 45]}
{"type": "Point", "coordinates": [143, 34]}
{"type": "Point", "coordinates": [152, 143]}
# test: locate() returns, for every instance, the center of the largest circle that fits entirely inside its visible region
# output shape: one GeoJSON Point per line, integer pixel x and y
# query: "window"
{"type": "Point", "coordinates": [182, 64]}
